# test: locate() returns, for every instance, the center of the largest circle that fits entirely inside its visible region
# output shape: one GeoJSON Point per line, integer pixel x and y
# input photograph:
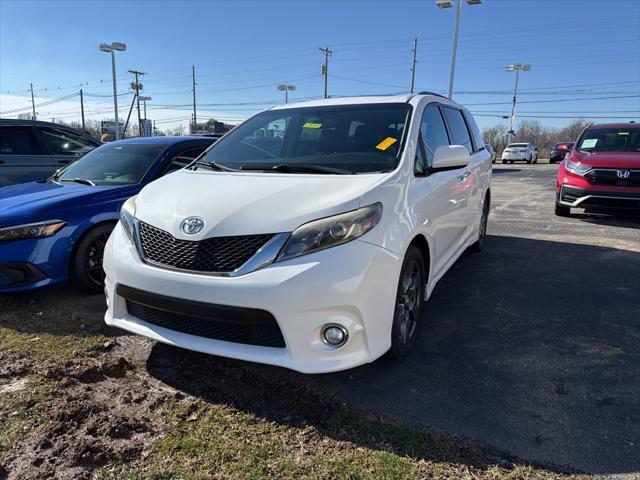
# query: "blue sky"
{"type": "Point", "coordinates": [579, 49]}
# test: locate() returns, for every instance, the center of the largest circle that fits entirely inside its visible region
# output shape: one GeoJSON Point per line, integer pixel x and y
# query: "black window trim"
{"type": "Point", "coordinates": [180, 150]}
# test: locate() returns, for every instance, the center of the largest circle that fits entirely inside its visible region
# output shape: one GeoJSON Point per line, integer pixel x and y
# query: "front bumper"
{"type": "Point", "coordinates": [589, 198]}
{"type": "Point", "coordinates": [32, 263]}
{"type": "Point", "coordinates": [353, 285]}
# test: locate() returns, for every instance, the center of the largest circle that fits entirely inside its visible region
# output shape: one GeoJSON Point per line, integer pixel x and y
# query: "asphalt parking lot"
{"type": "Point", "coordinates": [530, 347]}
{"type": "Point", "coordinates": [533, 345]}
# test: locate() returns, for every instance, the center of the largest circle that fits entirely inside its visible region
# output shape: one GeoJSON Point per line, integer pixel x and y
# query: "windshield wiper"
{"type": "Point", "coordinates": [216, 166]}
{"type": "Point", "coordinates": [83, 181]}
{"type": "Point", "coordinates": [297, 168]}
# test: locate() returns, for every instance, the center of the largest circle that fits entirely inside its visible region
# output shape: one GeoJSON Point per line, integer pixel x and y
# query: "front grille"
{"type": "Point", "coordinates": [609, 176]}
{"type": "Point", "coordinates": [264, 335]}
{"type": "Point", "coordinates": [219, 254]}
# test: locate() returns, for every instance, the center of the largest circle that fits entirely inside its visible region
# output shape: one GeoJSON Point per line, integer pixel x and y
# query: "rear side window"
{"type": "Point", "coordinates": [15, 140]}
{"type": "Point", "coordinates": [434, 134]}
{"type": "Point", "coordinates": [62, 142]}
{"type": "Point", "coordinates": [457, 128]}
{"type": "Point", "coordinates": [478, 141]}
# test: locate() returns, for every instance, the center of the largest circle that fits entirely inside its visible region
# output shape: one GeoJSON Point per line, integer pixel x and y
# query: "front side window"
{"type": "Point", "coordinates": [457, 128]}
{"type": "Point", "coordinates": [61, 142]}
{"type": "Point", "coordinates": [433, 131]}
{"type": "Point", "coordinates": [341, 139]}
{"type": "Point", "coordinates": [181, 160]}
{"type": "Point", "coordinates": [15, 140]}
{"type": "Point", "coordinates": [113, 164]}
{"type": "Point", "coordinates": [610, 140]}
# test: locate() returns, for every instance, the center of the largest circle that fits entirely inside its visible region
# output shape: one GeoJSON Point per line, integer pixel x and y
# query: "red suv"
{"type": "Point", "coordinates": [602, 170]}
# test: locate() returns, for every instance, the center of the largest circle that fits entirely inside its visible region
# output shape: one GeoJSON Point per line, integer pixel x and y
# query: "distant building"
{"type": "Point", "coordinates": [209, 127]}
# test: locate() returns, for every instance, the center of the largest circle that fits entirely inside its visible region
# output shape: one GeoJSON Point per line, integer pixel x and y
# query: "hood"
{"type": "Point", "coordinates": [629, 160]}
{"type": "Point", "coordinates": [247, 203]}
{"type": "Point", "coordinates": [38, 201]}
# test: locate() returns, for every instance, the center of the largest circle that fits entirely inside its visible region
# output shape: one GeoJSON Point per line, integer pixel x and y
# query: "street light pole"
{"type": "Point", "coordinates": [112, 48]}
{"type": "Point", "coordinates": [516, 67]}
{"type": "Point", "coordinates": [456, 30]}
{"type": "Point", "coordinates": [286, 88]}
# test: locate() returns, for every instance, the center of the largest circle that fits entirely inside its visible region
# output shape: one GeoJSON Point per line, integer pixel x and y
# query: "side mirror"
{"type": "Point", "coordinates": [450, 156]}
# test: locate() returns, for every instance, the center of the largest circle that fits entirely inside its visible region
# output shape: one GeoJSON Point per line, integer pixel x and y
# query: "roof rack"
{"type": "Point", "coordinates": [427, 92]}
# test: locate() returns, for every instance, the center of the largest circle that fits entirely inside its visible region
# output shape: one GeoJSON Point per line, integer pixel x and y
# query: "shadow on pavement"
{"type": "Point", "coordinates": [532, 347]}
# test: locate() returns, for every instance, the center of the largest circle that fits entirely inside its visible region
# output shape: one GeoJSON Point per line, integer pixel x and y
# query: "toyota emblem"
{"type": "Point", "coordinates": [192, 225]}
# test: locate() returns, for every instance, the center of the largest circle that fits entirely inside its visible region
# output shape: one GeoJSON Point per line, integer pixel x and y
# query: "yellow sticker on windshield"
{"type": "Point", "coordinates": [386, 143]}
{"type": "Point", "coordinates": [312, 125]}
{"type": "Point", "coordinates": [623, 133]}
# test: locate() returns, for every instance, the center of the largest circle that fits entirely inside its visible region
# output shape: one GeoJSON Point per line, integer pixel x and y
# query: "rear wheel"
{"type": "Point", "coordinates": [504, 161]}
{"type": "Point", "coordinates": [409, 301]}
{"type": "Point", "coordinates": [484, 220]}
{"type": "Point", "coordinates": [86, 264]}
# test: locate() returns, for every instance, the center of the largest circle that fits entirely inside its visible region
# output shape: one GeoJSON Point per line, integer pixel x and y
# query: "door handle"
{"type": "Point", "coordinates": [464, 176]}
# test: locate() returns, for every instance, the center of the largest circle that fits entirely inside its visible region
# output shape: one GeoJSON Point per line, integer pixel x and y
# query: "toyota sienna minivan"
{"type": "Point", "coordinates": [308, 237]}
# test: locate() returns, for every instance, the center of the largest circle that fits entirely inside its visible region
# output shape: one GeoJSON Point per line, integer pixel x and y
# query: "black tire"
{"type": "Point", "coordinates": [478, 245]}
{"type": "Point", "coordinates": [86, 263]}
{"type": "Point", "coordinates": [408, 306]}
{"type": "Point", "coordinates": [511, 161]}
{"type": "Point", "coordinates": [562, 210]}
{"type": "Point", "coordinates": [552, 161]}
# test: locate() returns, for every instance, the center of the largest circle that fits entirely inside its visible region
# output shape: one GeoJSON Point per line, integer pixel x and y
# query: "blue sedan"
{"type": "Point", "coordinates": [55, 230]}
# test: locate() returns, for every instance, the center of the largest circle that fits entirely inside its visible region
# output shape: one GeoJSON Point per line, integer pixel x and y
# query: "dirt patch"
{"type": "Point", "coordinates": [99, 411]}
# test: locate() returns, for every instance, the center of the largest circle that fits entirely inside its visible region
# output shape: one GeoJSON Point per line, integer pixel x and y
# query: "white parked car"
{"type": "Point", "coordinates": [308, 237]}
{"type": "Point", "coordinates": [521, 152]}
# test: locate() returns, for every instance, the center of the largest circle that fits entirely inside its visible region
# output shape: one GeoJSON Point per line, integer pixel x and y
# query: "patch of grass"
{"type": "Point", "coordinates": [23, 411]}
{"type": "Point", "coordinates": [26, 327]}
{"type": "Point", "coordinates": [217, 440]}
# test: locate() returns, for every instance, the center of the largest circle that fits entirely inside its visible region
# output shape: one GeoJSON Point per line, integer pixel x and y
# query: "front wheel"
{"type": "Point", "coordinates": [409, 300]}
{"type": "Point", "coordinates": [562, 210]}
{"type": "Point", "coordinates": [86, 264]}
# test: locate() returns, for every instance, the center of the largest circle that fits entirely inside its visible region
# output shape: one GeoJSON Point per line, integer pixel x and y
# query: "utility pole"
{"type": "Point", "coordinates": [137, 87]}
{"type": "Point", "coordinates": [413, 64]}
{"type": "Point", "coordinates": [126, 124]}
{"type": "Point", "coordinates": [33, 105]}
{"type": "Point", "coordinates": [325, 68]}
{"type": "Point", "coordinates": [82, 110]}
{"type": "Point", "coordinates": [193, 75]}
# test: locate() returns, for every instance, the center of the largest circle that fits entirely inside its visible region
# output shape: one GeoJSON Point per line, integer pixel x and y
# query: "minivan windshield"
{"type": "Point", "coordinates": [336, 139]}
{"type": "Point", "coordinates": [112, 164]}
{"type": "Point", "coordinates": [610, 140]}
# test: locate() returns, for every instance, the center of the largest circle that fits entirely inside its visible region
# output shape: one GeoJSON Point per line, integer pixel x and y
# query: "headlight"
{"type": "Point", "coordinates": [577, 168]}
{"type": "Point", "coordinates": [127, 216]}
{"type": "Point", "coordinates": [331, 231]}
{"type": "Point", "coordinates": [31, 230]}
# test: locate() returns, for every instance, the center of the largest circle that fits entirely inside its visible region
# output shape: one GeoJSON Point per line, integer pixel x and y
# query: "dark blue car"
{"type": "Point", "coordinates": [55, 230]}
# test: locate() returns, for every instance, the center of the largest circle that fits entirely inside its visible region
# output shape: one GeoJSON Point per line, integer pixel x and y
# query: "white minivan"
{"type": "Point", "coordinates": [308, 237]}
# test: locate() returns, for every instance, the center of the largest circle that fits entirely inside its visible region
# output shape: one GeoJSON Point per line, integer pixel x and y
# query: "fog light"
{"type": "Point", "coordinates": [334, 335]}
